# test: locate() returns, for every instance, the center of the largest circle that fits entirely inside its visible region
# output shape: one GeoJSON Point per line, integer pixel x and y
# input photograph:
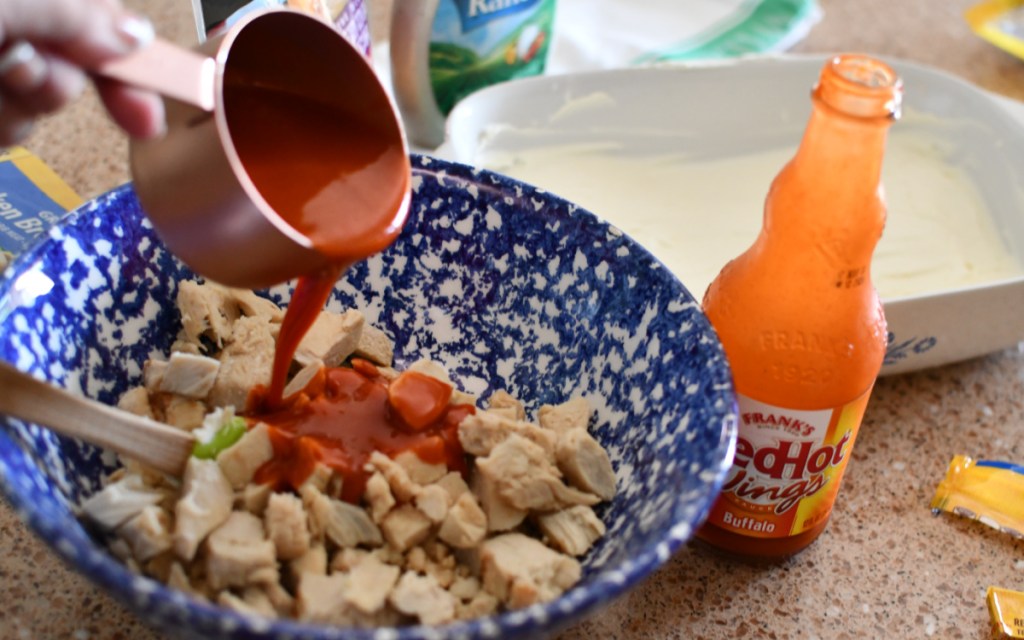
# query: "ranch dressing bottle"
{"type": "Point", "coordinates": [443, 50]}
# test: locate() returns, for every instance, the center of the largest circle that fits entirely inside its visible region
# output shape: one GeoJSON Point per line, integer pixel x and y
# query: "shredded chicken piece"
{"type": "Point", "coordinates": [572, 414]}
{"type": "Point", "coordinates": [240, 461]}
{"type": "Point", "coordinates": [375, 346]}
{"type": "Point", "coordinates": [246, 361]}
{"type": "Point", "coordinates": [344, 524]}
{"type": "Point", "coordinates": [571, 530]}
{"type": "Point", "coordinates": [332, 338]}
{"type": "Point", "coordinates": [481, 432]}
{"type": "Point", "coordinates": [423, 597]}
{"type": "Point", "coordinates": [585, 463]}
{"type": "Point", "coordinates": [189, 375]}
{"type": "Point", "coordinates": [378, 496]}
{"type": "Point", "coordinates": [205, 504]}
{"type": "Point", "coordinates": [286, 525]}
{"type": "Point", "coordinates": [523, 475]}
{"type": "Point", "coordinates": [374, 581]}
{"type": "Point", "coordinates": [521, 571]}
{"type": "Point", "coordinates": [405, 527]}
{"type": "Point", "coordinates": [465, 525]}
{"type": "Point", "coordinates": [136, 401]}
{"type": "Point", "coordinates": [148, 533]}
{"type": "Point", "coordinates": [237, 551]}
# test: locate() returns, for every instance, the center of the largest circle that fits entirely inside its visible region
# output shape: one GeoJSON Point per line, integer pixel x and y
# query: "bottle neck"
{"type": "Point", "coordinates": [843, 152]}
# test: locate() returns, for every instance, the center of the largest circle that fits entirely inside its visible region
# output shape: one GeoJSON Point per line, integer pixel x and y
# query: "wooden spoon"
{"type": "Point", "coordinates": [155, 444]}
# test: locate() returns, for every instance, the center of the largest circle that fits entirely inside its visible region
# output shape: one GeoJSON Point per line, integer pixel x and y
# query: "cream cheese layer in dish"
{"type": "Point", "coordinates": [695, 214]}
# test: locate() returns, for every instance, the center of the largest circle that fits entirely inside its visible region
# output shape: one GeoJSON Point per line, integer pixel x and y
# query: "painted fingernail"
{"type": "Point", "coordinates": [135, 30]}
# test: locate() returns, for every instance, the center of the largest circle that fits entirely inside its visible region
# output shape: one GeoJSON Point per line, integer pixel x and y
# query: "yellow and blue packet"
{"type": "Point", "coordinates": [32, 198]}
{"type": "Point", "coordinates": [989, 491]}
{"type": "Point", "coordinates": [1006, 608]}
{"type": "Point", "coordinates": [1000, 22]}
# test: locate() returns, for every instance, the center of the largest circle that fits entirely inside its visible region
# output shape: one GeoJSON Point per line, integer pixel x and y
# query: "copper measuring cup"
{"type": "Point", "coordinates": [192, 184]}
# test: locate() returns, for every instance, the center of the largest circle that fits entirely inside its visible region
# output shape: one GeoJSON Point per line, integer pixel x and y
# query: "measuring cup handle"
{"type": "Point", "coordinates": [170, 70]}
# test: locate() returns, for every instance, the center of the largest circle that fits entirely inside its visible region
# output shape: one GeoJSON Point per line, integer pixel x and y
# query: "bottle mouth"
{"type": "Point", "coordinates": [860, 86]}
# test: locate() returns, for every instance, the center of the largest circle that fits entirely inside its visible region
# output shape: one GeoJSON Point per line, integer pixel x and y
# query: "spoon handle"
{"type": "Point", "coordinates": [170, 70]}
{"type": "Point", "coordinates": [157, 445]}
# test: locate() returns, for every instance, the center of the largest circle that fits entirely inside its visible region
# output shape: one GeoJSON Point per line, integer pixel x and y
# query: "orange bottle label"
{"type": "Point", "coordinates": [787, 468]}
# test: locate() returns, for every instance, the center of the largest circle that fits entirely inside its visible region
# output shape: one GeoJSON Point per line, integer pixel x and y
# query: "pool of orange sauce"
{"type": "Point", "coordinates": [345, 414]}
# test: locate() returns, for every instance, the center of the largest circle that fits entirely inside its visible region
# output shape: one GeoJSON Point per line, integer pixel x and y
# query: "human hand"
{"type": "Point", "coordinates": [46, 50]}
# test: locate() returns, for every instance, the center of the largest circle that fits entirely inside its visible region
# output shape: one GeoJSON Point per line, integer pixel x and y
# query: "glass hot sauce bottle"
{"type": "Point", "coordinates": [801, 322]}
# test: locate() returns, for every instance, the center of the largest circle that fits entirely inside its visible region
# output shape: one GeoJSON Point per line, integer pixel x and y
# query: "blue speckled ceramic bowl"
{"type": "Point", "coordinates": [510, 287]}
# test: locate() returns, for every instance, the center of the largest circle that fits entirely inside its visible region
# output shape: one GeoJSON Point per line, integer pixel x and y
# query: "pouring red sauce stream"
{"type": "Point", "coordinates": [310, 163]}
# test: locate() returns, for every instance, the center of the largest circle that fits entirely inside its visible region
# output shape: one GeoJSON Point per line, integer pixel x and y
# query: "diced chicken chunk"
{"type": "Point", "coordinates": [313, 561]}
{"type": "Point", "coordinates": [205, 313]}
{"type": "Point", "coordinates": [254, 603]}
{"type": "Point", "coordinates": [375, 346]}
{"type": "Point", "coordinates": [506, 404]}
{"type": "Point", "coordinates": [253, 498]}
{"type": "Point", "coordinates": [148, 533]}
{"type": "Point", "coordinates": [373, 581]}
{"type": "Point", "coordinates": [204, 505]}
{"type": "Point", "coordinates": [136, 401]}
{"type": "Point", "coordinates": [453, 483]}
{"type": "Point", "coordinates": [571, 530]}
{"type": "Point", "coordinates": [189, 375]}
{"type": "Point", "coordinates": [431, 368]}
{"type": "Point", "coordinates": [420, 472]}
{"type": "Point", "coordinates": [310, 374]}
{"type": "Point", "coordinates": [237, 551]}
{"type": "Point", "coordinates": [403, 488]}
{"type": "Point", "coordinates": [466, 524]}
{"type": "Point", "coordinates": [153, 374]}
{"type": "Point", "coordinates": [286, 525]}
{"type": "Point", "coordinates": [423, 597]}
{"type": "Point", "coordinates": [250, 304]}
{"type": "Point", "coordinates": [501, 516]}
{"type": "Point", "coordinates": [522, 571]}
{"type": "Point", "coordinates": [120, 501]}
{"type": "Point", "coordinates": [572, 414]}
{"type": "Point", "coordinates": [185, 413]}
{"type": "Point", "coordinates": [378, 496]}
{"type": "Point", "coordinates": [321, 598]}
{"type": "Point", "coordinates": [585, 463]}
{"type": "Point", "coordinates": [523, 476]}
{"type": "Point", "coordinates": [240, 461]}
{"type": "Point", "coordinates": [331, 339]}
{"type": "Point", "coordinates": [479, 433]}
{"type": "Point", "coordinates": [405, 527]}
{"type": "Point", "coordinates": [246, 361]}
{"type": "Point", "coordinates": [433, 502]}
{"type": "Point", "coordinates": [324, 599]}
{"type": "Point", "coordinates": [482, 604]}
{"type": "Point", "coordinates": [344, 524]}
{"type": "Point", "coordinates": [178, 579]}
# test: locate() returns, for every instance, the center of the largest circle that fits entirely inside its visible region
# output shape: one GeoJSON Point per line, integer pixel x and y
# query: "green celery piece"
{"type": "Point", "coordinates": [226, 436]}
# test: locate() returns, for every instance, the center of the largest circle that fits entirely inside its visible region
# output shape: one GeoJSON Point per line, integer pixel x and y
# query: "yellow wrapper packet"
{"type": "Point", "coordinates": [988, 491]}
{"type": "Point", "coordinates": [1001, 22]}
{"type": "Point", "coordinates": [1007, 611]}
{"type": "Point", "coordinates": [32, 198]}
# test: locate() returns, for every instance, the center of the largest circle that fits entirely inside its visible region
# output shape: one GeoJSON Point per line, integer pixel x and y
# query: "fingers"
{"type": "Point", "coordinates": [32, 84]}
{"type": "Point", "coordinates": [85, 32]}
{"type": "Point", "coordinates": [46, 49]}
{"type": "Point", "coordinates": [140, 113]}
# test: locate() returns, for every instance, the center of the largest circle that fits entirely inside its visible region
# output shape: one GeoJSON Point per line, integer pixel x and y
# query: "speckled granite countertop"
{"type": "Point", "coordinates": [884, 568]}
